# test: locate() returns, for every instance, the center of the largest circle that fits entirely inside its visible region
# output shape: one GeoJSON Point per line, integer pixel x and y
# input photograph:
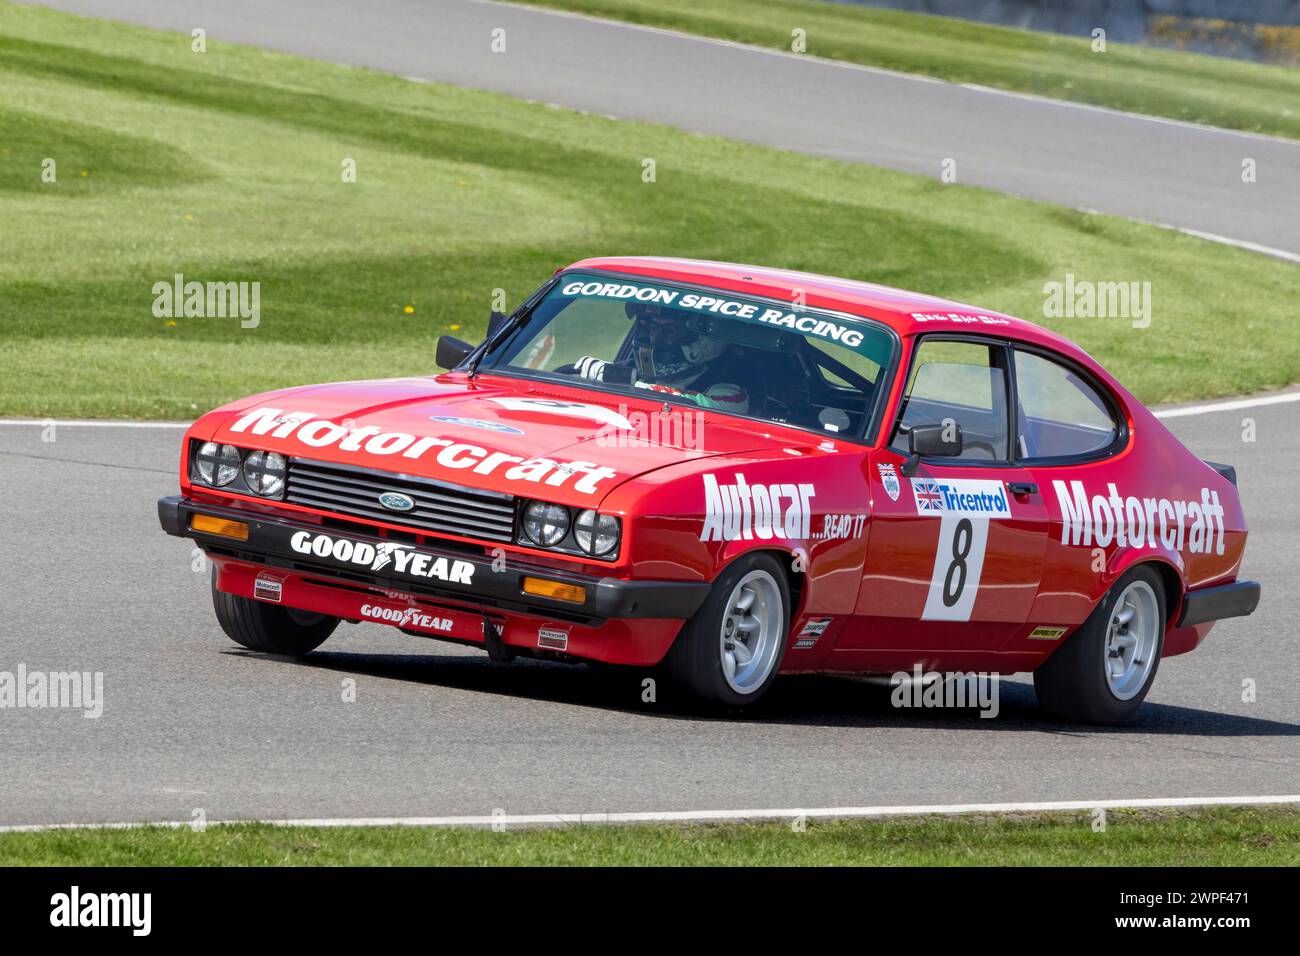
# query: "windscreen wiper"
{"type": "Point", "coordinates": [511, 324]}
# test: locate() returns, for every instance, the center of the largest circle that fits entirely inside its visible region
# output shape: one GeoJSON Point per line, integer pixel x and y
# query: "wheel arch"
{"type": "Point", "coordinates": [1170, 574]}
{"type": "Point", "coordinates": [794, 565]}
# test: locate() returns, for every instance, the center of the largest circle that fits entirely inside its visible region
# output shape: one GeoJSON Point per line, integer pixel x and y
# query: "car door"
{"type": "Point", "coordinates": [1069, 429]}
{"type": "Point", "coordinates": [955, 551]}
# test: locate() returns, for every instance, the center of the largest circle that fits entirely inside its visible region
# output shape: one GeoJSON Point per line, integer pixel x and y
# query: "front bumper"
{"type": "Point", "coordinates": [427, 571]}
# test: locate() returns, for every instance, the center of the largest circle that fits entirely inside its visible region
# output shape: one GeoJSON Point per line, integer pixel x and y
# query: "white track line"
{"type": "Point", "coordinates": [1228, 241]}
{"type": "Point", "coordinates": [89, 423]}
{"type": "Point", "coordinates": [1245, 244]}
{"type": "Point", "coordinates": [1230, 406]}
{"type": "Point", "coordinates": [702, 816]}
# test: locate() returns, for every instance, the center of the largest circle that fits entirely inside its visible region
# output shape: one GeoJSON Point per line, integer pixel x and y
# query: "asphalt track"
{"type": "Point", "coordinates": [1144, 168]}
{"type": "Point", "coordinates": [190, 721]}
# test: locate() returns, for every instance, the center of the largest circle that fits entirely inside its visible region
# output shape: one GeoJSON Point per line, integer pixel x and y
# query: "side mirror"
{"type": "Point", "coordinates": [451, 351]}
{"type": "Point", "coordinates": [931, 441]}
{"type": "Point", "coordinates": [935, 441]}
{"type": "Point", "coordinates": [495, 321]}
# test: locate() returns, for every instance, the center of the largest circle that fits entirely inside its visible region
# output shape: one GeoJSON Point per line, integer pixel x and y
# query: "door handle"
{"type": "Point", "coordinates": [1022, 488]}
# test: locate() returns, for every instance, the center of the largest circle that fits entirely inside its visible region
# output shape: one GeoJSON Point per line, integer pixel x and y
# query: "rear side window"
{"type": "Point", "coordinates": [958, 382]}
{"type": "Point", "coordinates": [1060, 414]}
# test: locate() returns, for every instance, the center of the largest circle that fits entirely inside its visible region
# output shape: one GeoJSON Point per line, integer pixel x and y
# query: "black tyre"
{"type": "Point", "coordinates": [730, 651]}
{"type": "Point", "coordinates": [1104, 670]}
{"type": "Point", "coordinates": [268, 627]}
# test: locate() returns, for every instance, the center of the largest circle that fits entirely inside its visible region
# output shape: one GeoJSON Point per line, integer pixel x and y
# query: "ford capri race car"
{"type": "Point", "coordinates": [732, 472]}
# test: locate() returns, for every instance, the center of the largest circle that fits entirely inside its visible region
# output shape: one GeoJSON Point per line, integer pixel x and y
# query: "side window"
{"type": "Point", "coordinates": [1058, 412]}
{"type": "Point", "coordinates": [959, 382]}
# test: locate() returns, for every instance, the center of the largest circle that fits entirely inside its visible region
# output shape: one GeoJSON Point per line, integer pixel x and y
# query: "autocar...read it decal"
{"type": "Point", "coordinates": [741, 510]}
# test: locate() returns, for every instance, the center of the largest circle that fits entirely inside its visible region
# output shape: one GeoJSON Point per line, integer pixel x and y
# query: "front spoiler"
{"type": "Point", "coordinates": [270, 543]}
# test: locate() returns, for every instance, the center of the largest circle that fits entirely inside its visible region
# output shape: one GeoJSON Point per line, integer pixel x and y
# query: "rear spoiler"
{"type": "Point", "coordinates": [1227, 471]}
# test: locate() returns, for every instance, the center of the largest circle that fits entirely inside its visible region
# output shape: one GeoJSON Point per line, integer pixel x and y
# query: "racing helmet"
{"type": "Point", "coordinates": [668, 351]}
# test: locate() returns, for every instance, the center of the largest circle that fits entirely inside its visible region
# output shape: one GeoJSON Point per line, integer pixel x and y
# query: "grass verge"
{"type": "Point", "coordinates": [230, 165]}
{"type": "Point", "coordinates": [1221, 836]}
{"type": "Point", "coordinates": [1186, 86]}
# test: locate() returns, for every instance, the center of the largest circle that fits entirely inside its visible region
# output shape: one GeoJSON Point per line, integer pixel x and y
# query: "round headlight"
{"type": "Point", "coordinates": [217, 464]}
{"type": "Point", "coordinates": [264, 472]}
{"type": "Point", "coordinates": [596, 533]}
{"type": "Point", "coordinates": [546, 524]}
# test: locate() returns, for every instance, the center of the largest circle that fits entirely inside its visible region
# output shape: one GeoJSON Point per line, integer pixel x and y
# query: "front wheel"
{"type": "Point", "coordinates": [1103, 672]}
{"type": "Point", "coordinates": [730, 651]}
{"type": "Point", "coordinates": [270, 628]}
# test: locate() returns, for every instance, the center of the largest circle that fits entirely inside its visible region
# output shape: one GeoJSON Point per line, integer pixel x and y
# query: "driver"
{"type": "Point", "coordinates": [669, 356]}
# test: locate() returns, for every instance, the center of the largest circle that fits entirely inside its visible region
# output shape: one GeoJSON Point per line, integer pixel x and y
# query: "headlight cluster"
{"type": "Point", "coordinates": [248, 472]}
{"type": "Point", "coordinates": [596, 533]}
{"type": "Point", "coordinates": [556, 527]}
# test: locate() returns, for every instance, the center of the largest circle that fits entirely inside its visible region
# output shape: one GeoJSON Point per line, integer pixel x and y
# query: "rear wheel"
{"type": "Point", "coordinates": [1104, 671]}
{"type": "Point", "coordinates": [270, 628]}
{"type": "Point", "coordinates": [730, 651]}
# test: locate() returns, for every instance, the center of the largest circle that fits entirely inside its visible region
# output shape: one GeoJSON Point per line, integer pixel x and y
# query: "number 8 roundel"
{"type": "Point", "coordinates": [964, 508]}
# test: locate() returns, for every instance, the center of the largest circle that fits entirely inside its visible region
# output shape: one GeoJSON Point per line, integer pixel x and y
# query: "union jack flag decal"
{"type": "Point", "coordinates": [928, 496]}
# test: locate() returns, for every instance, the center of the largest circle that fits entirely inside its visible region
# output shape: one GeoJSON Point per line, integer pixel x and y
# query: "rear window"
{"type": "Point", "coordinates": [1060, 413]}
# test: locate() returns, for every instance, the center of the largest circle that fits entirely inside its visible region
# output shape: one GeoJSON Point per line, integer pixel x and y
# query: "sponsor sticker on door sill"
{"type": "Point", "coordinates": [814, 629]}
{"type": "Point", "coordinates": [1047, 633]}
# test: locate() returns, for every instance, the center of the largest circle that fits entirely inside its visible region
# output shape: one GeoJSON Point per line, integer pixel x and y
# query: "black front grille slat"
{"type": "Point", "coordinates": [439, 506]}
{"type": "Point", "coordinates": [408, 519]}
{"type": "Point", "coordinates": [312, 484]}
{"type": "Point", "coordinates": [424, 512]}
{"type": "Point", "coordinates": [433, 496]}
{"type": "Point", "coordinates": [422, 508]}
{"type": "Point", "coordinates": [356, 472]}
{"type": "Point", "coordinates": [367, 484]}
{"type": "Point", "coordinates": [367, 496]}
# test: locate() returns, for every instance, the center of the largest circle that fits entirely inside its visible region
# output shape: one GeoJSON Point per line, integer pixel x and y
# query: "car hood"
{"type": "Point", "coordinates": [569, 445]}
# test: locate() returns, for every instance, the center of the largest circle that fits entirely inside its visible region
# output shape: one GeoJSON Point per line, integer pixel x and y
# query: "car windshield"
{"type": "Point", "coordinates": [753, 357]}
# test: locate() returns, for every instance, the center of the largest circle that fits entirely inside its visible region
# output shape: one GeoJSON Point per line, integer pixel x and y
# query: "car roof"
{"type": "Point", "coordinates": [907, 313]}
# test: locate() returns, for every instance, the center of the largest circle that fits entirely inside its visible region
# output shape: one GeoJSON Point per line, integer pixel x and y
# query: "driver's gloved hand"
{"type": "Point", "coordinates": [590, 367]}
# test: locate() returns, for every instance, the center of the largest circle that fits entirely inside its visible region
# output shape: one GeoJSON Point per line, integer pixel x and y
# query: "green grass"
{"type": "Point", "coordinates": [227, 166]}
{"type": "Point", "coordinates": [1212, 837]}
{"type": "Point", "coordinates": [1185, 86]}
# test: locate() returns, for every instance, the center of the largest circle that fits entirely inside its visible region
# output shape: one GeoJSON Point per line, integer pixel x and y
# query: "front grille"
{"type": "Point", "coordinates": [440, 507]}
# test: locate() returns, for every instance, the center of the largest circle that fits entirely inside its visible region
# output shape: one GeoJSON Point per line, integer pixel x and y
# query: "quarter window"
{"type": "Point", "coordinates": [1059, 413]}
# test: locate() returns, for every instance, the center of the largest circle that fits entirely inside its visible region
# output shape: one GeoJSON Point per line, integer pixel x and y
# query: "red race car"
{"type": "Point", "coordinates": [732, 472]}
